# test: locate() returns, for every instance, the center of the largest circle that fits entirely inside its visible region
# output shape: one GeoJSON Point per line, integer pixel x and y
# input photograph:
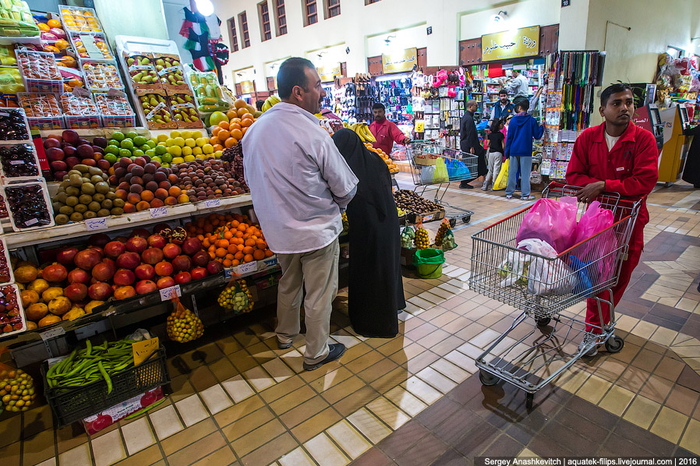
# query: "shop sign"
{"type": "Point", "coordinates": [399, 62]}
{"type": "Point", "coordinates": [328, 72]}
{"type": "Point", "coordinates": [247, 87]}
{"type": "Point", "coordinates": [524, 42]}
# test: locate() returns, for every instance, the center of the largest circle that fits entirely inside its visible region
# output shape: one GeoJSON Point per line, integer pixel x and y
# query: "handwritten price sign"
{"type": "Point", "coordinates": [209, 203]}
{"type": "Point", "coordinates": [95, 224]}
{"type": "Point", "coordinates": [158, 212]}
{"type": "Point", "coordinates": [166, 294]}
{"type": "Point", "coordinates": [143, 349]}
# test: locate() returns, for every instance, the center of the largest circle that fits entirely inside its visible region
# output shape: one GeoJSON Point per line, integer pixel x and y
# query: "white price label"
{"type": "Point", "coordinates": [165, 71]}
{"type": "Point", "coordinates": [155, 110]}
{"type": "Point", "coordinates": [212, 203]}
{"type": "Point", "coordinates": [428, 218]}
{"type": "Point", "coordinates": [158, 212]}
{"type": "Point", "coordinates": [94, 224]}
{"type": "Point", "coordinates": [91, 47]}
{"type": "Point", "coordinates": [250, 267]}
{"type": "Point", "coordinates": [166, 294]}
{"type": "Point", "coordinates": [31, 222]}
{"type": "Point", "coordinates": [53, 333]}
{"type": "Point", "coordinates": [16, 162]}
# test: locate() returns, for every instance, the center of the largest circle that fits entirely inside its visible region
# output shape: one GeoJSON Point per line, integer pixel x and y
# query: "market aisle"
{"type": "Point", "coordinates": [413, 399]}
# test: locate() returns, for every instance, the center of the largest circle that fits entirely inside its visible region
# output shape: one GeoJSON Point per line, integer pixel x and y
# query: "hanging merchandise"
{"type": "Point", "coordinates": [16, 389]}
{"type": "Point", "coordinates": [422, 239]}
{"type": "Point", "coordinates": [183, 325]}
{"type": "Point", "coordinates": [236, 297]}
{"type": "Point", "coordinates": [408, 236]}
{"type": "Point", "coordinates": [200, 32]}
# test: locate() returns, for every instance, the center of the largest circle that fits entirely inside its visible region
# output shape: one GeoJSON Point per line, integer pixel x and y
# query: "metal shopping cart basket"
{"type": "Point", "coordinates": [432, 164]}
{"type": "Point", "coordinates": [546, 337]}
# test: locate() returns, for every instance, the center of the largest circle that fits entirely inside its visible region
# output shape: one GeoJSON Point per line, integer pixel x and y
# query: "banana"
{"type": "Point", "coordinates": [369, 137]}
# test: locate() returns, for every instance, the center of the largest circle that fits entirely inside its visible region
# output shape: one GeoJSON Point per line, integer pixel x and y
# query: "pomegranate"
{"type": "Point", "coordinates": [214, 267]}
{"type": "Point", "coordinates": [145, 272]}
{"type": "Point", "coordinates": [165, 282]}
{"type": "Point", "coordinates": [191, 246]}
{"type": "Point", "coordinates": [124, 277]}
{"type": "Point", "coordinates": [128, 260]}
{"type": "Point", "coordinates": [114, 249]}
{"type": "Point", "coordinates": [99, 240]}
{"type": "Point", "coordinates": [124, 292]}
{"type": "Point", "coordinates": [103, 271]}
{"type": "Point", "coordinates": [142, 232]}
{"type": "Point", "coordinates": [78, 276]}
{"type": "Point", "coordinates": [66, 255]}
{"type": "Point", "coordinates": [160, 227]}
{"type": "Point", "coordinates": [100, 291]}
{"type": "Point", "coordinates": [164, 268]}
{"type": "Point", "coordinates": [145, 286]}
{"type": "Point", "coordinates": [152, 256]}
{"type": "Point", "coordinates": [54, 273]}
{"type": "Point", "coordinates": [183, 277]}
{"type": "Point", "coordinates": [200, 259]}
{"type": "Point", "coordinates": [136, 244]}
{"type": "Point", "coordinates": [87, 258]}
{"type": "Point", "coordinates": [76, 292]}
{"type": "Point", "coordinates": [171, 251]}
{"type": "Point", "coordinates": [198, 273]}
{"type": "Point", "coordinates": [157, 241]}
{"type": "Point", "coordinates": [182, 263]}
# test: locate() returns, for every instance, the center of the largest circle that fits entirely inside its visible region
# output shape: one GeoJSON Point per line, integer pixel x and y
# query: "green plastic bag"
{"type": "Point", "coordinates": [440, 175]}
{"type": "Point", "coordinates": [502, 178]}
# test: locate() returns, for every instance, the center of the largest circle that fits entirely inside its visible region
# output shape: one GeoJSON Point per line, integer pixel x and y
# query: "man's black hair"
{"type": "Point", "coordinates": [292, 73]}
{"type": "Point", "coordinates": [496, 125]}
{"type": "Point", "coordinates": [502, 91]}
{"type": "Point", "coordinates": [378, 106]}
{"type": "Point", "coordinates": [614, 89]}
{"type": "Point", "coordinates": [259, 104]}
{"type": "Point", "coordinates": [521, 103]}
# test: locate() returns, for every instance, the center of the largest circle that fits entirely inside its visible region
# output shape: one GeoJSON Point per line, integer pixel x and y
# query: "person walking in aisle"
{"type": "Point", "coordinates": [503, 108]}
{"type": "Point", "coordinates": [616, 156]}
{"type": "Point", "coordinates": [522, 131]}
{"type": "Point", "coordinates": [518, 85]}
{"type": "Point", "coordinates": [375, 291]}
{"type": "Point", "coordinates": [691, 172]}
{"type": "Point", "coordinates": [469, 141]}
{"type": "Point", "coordinates": [384, 131]}
{"type": "Point", "coordinates": [300, 183]}
{"type": "Point", "coordinates": [495, 153]}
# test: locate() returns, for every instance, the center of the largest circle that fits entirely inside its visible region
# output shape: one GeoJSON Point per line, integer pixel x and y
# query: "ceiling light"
{"type": "Point", "coordinates": [205, 7]}
{"type": "Point", "coordinates": [387, 41]}
{"type": "Point", "coordinates": [501, 16]}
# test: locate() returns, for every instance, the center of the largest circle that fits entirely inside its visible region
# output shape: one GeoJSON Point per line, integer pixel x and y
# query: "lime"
{"type": "Point", "coordinates": [175, 151]}
{"type": "Point", "coordinates": [124, 153]}
{"type": "Point", "coordinates": [160, 150]}
{"type": "Point", "coordinates": [126, 144]}
{"type": "Point", "coordinates": [144, 147]}
{"type": "Point", "coordinates": [113, 142]}
{"type": "Point", "coordinates": [132, 135]}
{"type": "Point", "coordinates": [118, 135]}
{"type": "Point", "coordinates": [111, 158]}
{"type": "Point", "coordinates": [137, 153]}
{"type": "Point", "coordinates": [110, 149]}
{"type": "Point", "coordinates": [167, 158]}
{"type": "Point", "coordinates": [217, 117]}
{"type": "Point", "coordinates": [151, 153]}
{"type": "Point", "coordinates": [151, 143]}
{"type": "Point", "coordinates": [165, 164]}
{"type": "Point", "coordinates": [156, 159]}
{"type": "Point", "coordinates": [140, 140]}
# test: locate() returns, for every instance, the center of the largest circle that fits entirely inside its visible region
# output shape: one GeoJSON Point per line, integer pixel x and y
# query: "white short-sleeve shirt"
{"type": "Point", "coordinates": [294, 171]}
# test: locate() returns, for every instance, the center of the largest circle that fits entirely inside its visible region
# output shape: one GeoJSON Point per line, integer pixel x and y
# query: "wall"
{"type": "Point", "coordinates": [573, 23]}
{"type": "Point", "coordinates": [117, 17]}
{"type": "Point", "coordinates": [477, 22]}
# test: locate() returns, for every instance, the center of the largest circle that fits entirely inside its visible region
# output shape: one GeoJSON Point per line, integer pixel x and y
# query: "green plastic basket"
{"type": "Point", "coordinates": [429, 262]}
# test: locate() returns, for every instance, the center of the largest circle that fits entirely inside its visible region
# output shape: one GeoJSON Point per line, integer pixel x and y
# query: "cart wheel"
{"type": "Point", "coordinates": [543, 322]}
{"type": "Point", "coordinates": [529, 399]}
{"type": "Point", "coordinates": [614, 344]}
{"type": "Point", "coordinates": [466, 218]}
{"type": "Point", "coordinates": [453, 222]}
{"type": "Point", "coordinates": [487, 379]}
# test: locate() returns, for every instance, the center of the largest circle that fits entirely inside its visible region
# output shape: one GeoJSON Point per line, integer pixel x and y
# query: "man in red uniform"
{"type": "Point", "coordinates": [384, 131]}
{"type": "Point", "coordinates": [619, 157]}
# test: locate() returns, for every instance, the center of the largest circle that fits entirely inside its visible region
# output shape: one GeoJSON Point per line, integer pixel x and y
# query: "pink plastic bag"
{"type": "Point", "coordinates": [602, 248]}
{"type": "Point", "coordinates": [594, 220]}
{"type": "Point", "coordinates": [552, 221]}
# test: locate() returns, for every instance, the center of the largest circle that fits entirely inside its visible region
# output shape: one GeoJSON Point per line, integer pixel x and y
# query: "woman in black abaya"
{"type": "Point", "coordinates": [691, 173]}
{"type": "Point", "coordinates": [375, 291]}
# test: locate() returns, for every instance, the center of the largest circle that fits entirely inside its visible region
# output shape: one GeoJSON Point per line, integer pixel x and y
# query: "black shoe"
{"type": "Point", "coordinates": [281, 345]}
{"type": "Point", "coordinates": [465, 185]}
{"type": "Point", "coordinates": [334, 352]}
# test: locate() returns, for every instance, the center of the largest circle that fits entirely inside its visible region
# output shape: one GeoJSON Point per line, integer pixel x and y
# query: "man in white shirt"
{"type": "Point", "coordinates": [300, 183]}
{"type": "Point", "coordinates": [518, 85]}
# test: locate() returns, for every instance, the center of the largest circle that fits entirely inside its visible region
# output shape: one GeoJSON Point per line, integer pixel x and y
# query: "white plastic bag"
{"type": "Point", "coordinates": [427, 174]}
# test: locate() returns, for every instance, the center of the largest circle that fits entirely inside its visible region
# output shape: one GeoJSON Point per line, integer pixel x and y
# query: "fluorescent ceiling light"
{"type": "Point", "coordinates": [205, 7]}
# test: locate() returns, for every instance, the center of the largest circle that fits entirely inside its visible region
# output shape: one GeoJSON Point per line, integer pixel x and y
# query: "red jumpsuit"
{"type": "Point", "coordinates": [631, 169]}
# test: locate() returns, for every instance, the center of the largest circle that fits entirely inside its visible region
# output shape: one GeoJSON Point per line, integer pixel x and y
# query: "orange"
{"type": "Point", "coordinates": [230, 142]}
{"type": "Point", "coordinates": [261, 244]}
{"type": "Point", "coordinates": [224, 134]}
{"type": "Point", "coordinates": [242, 111]}
{"type": "Point", "coordinates": [220, 252]}
{"type": "Point", "coordinates": [250, 242]}
{"type": "Point", "coordinates": [227, 263]}
{"type": "Point", "coordinates": [213, 140]}
{"type": "Point", "coordinates": [259, 255]}
{"type": "Point", "coordinates": [233, 126]}
{"type": "Point", "coordinates": [228, 234]}
{"type": "Point", "coordinates": [218, 147]}
{"type": "Point", "coordinates": [247, 250]}
{"type": "Point", "coordinates": [235, 262]}
{"type": "Point", "coordinates": [235, 121]}
{"type": "Point", "coordinates": [205, 243]}
{"type": "Point", "coordinates": [238, 256]}
{"type": "Point", "coordinates": [215, 131]}
{"type": "Point", "coordinates": [246, 122]}
{"type": "Point", "coordinates": [223, 124]}
{"type": "Point", "coordinates": [242, 227]}
{"type": "Point", "coordinates": [240, 103]}
{"type": "Point", "coordinates": [232, 248]}
{"type": "Point", "coordinates": [268, 253]}
{"type": "Point", "coordinates": [247, 115]}
{"type": "Point", "coordinates": [52, 23]}
{"type": "Point", "coordinates": [248, 258]}
{"type": "Point", "coordinates": [237, 133]}
{"type": "Point", "coordinates": [231, 114]}
{"type": "Point", "coordinates": [229, 256]}
{"type": "Point", "coordinates": [44, 27]}
{"type": "Point", "coordinates": [61, 44]}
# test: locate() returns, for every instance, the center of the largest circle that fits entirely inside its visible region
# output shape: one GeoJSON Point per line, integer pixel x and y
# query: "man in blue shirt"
{"type": "Point", "coordinates": [522, 131]}
{"type": "Point", "coordinates": [503, 108]}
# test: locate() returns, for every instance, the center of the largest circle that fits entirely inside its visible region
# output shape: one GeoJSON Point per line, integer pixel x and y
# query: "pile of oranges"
{"type": "Point", "coordinates": [230, 239]}
{"type": "Point", "coordinates": [227, 133]}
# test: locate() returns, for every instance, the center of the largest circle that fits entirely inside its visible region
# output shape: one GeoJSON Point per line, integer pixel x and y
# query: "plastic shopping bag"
{"type": "Point", "coordinates": [440, 175]}
{"type": "Point", "coordinates": [502, 178]}
{"type": "Point", "coordinates": [457, 170]}
{"type": "Point", "coordinates": [540, 276]}
{"type": "Point", "coordinates": [552, 221]}
{"type": "Point", "coordinates": [427, 174]}
{"type": "Point", "coordinates": [600, 251]}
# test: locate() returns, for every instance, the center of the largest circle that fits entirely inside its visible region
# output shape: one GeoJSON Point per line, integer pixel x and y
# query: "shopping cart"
{"type": "Point", "coordinates": [426, 157]}
{"type": "Point", "coordinates": [548, 337]}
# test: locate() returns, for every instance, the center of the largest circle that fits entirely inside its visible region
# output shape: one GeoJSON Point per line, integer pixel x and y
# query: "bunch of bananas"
{"type": "Point", "coordinates": [400, 212]}
{"type": "Point", "coordinates": [237, 298]}
{"type": "Point", "coordinates": [270, 102]}
{"type": "Point", "coordinates": [362, 130]}
{"type": "Point", "coordinates": [422, 238]}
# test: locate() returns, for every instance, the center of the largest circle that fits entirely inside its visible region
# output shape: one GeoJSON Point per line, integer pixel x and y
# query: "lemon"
{"type": "Point", "coordinates": [201, 141]}
{"type": "Point", "coordinates": [162, 137]}
{"type": "Point", "coordinates": [201, 156]}
{"type": "Point", "coordinates": [218, 154]}
{"type": "Point", "coordinates": [179, 141]}
{"type": "Point", "coordinates": [174, 134]}
{"type": "Point", "coordinates": [175, 151]}
{"type": "Point", "coordinates": [186, 150]}
{"type": "Point", "coordinates": [207, 148]}
{"type": "Point", "coordinates": [169, 142]}
{"type": "Point", "coordinates": [197, 151]}
{"type": "Point", "coordinates": [190, 142]}
{"type": "Point", "coordinates": [196, 134]}
{"type": "Point", "coordinates": [178, 160]}
{"type": "Point", "coordinates": [186, 134]}
{"type": "Point", "coordinates": [189, 158]}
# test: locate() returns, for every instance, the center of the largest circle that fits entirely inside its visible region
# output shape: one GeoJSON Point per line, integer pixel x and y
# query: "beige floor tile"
{"type": "Point", "coordinates": [295, 360]}
{"type": "Point", "coordinates": [238, 411]}
{"type": "Point", "coordinates": [165, 422]}
{"type": "Point", "coordinates": [281, 389]}
{"type": "Point", "coordinates": [367, 423]}
{"type": "Point", "coordinates": [616, 400]}
{"type": "Point", "coordinates": [644, 329]}
{"type": "Point", "coordinates": [349, 439]}
{"type": "Point", "coordinates": [237, 388]}
{"type": "Point", "coordinates": [330, 379]}
{"type": "Point", "coordinates": [390, 380]}
{"type": "Point", "coordinates": [463, 362]}
{"type": "Point", "coordinates": [138, 435]}
{"type": "Point", "coordinates": [388, 412]}
{"type": "Point", "coordinates": [278, 370]}
{"type": "Point", "coordinates": [292, 400]}
{"type": "Point", "coordinates": [345, 338]}
{"type": "Point", "coordinates": [223, 455]}
{"type": "Point", "coordinates": [642, 411]}
{"type": "Point", "coordinates": [656, 389]}
{"type": "Point", "coordinates": [484, 338]}
{"type": "Point", "coordinates": [247, 424]}
{"type": "Point", "coordinates": [669, 424]}
{"type": "Point", "coordinates": [108, 448]}
{"type": "Point", "coordinates": [304, 411]}
{"type": "Point", "coordinates": [315, 425]}
{"type": "Point", "coordinates": [257, 437]}
{"type": "Point", "coordinates": [48, 462]}
{"type": "Point", "coordinates": [325, 451]}
{"type": "Point", "coordinates": [297, 457]}
{"type": "Point", "coordinates": [691, 436]}
{"type": "Point", "coordinates": [436, 379]}
{"type": "Point", "coordinates": [215, 398]}
{"type": "Point", "coordinates": [450, 370]}
{"type": "Point", "coordinates": [422, 390]}
{"type": "Point", "coordinates": [78, 456]}
{"type": "Point", "coordinates": [197, 450]}
{"type": "Point", "coordinates": [593, 389]}
{"type": "Point", "coordinates": [258, 378]}
{"type": "Point", "coordinates": [191, 410]}
{"type": "Point", "coordinates": [406, 401]}
{"type": "Point", "coordinates": [669, 368]}
{"type": "Point", "coordinates": [663, 336]}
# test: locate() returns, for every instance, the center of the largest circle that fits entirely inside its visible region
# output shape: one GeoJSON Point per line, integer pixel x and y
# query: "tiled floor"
{"type": "Point", "coordinates": [416, 399]}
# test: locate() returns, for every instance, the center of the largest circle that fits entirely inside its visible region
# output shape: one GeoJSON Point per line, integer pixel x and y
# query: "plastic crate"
{"type": "Point", "coordinates": [73, 404]}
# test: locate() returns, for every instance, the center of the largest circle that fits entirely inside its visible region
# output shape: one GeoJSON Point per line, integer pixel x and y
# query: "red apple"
{"type": "Point", "coordinates": [164, 269]}
{"type": "Point", "coordinates": [152, 256]}
{"type": "Point", "coordinates": [171, 251]}
{"type": "Point", "coordinates": [100, 291]}
{"type": "Point", "coordinates": [124, 277]}
{"type": "Point", "coordinates": [124, 292]}
{"type": "Point", "coordinates": [198, 273]}
{"type": "Point", "coordinates": [157, 241]}
{"type": "Point", "coordinates": [183, 277]}
{"type": "Point", "coordinates": [76, 292]}
{"type": "Point", "coordinates": [136, 244]}
{"type": "Point", "coordinates": [128, 260]}
{"type": "Point", "coordinates": [145, 286]}
{"type": "Point", "coordinates": [145, 272]}
{"type": "Point", "coordinates": [165, 282]}
{"type": "Point", "coordinates": [182, 263]}
{"type": "Point", "coordinates": [114, 249]}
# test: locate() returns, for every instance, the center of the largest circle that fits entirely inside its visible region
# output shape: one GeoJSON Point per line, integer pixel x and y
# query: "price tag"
{"type": "Point", "coordinates": [428, 218]}
{"type": "Point", "coordinates": [81, 92]}
{"type": "Point", "coordinates": [31, 222]}
{"type": "Point", "coordinates": [250, 267]}
{"type": "Point", "coordinates": [212, 203]}
{"type": "Point", "coordinates": [155, 110]}
{"type": "Point", "coordinates": [90, 47]}
{"type": "Point", "coordinates": [53, 333]}
{"type": "Point", "coordinates": [94, 224]}
{"type": "Point", "coordinates": [158, 211]}
{"type": "Point", "coordinates": [166, 294]}
{"type": "Point", "coordinates": [143, 349]}
{"type": "Point", "coordinates": [165, 71]}
{"type": "Point", "coordinates": [115, 93]}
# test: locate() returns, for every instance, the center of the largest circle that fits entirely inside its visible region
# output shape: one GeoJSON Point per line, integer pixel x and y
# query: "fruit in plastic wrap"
{"type": "Point", "coordinates": [422, 239]}
{"type": "Point", "coordinates": [237, 298]}
{"type": "Point", "coordinates": [407, 236]}
{"type": "Point", "coordinates": [444, 227]}
{"type": "Point", "coordinates": [11, 81]}
{"type": "Point", "coordinates": [183, 325]}
{"type": "Point", "coordinates": [448, 242]}
{"type": "Point", "coordinates": [16, 389]}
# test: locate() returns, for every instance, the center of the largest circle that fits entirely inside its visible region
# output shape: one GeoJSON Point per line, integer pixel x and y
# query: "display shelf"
{"type": "Point", "coordinates": [133, 220]}
{"type": "Point", "coordinates": [95, 132]}
{"type": "Point", "coordinates": [20, 40]}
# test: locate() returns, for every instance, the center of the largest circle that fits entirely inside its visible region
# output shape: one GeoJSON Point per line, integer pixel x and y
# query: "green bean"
{"type": "Point", "coordinates": [147, 408]}
{"type": "Point", "coordinates": [106, 376]}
